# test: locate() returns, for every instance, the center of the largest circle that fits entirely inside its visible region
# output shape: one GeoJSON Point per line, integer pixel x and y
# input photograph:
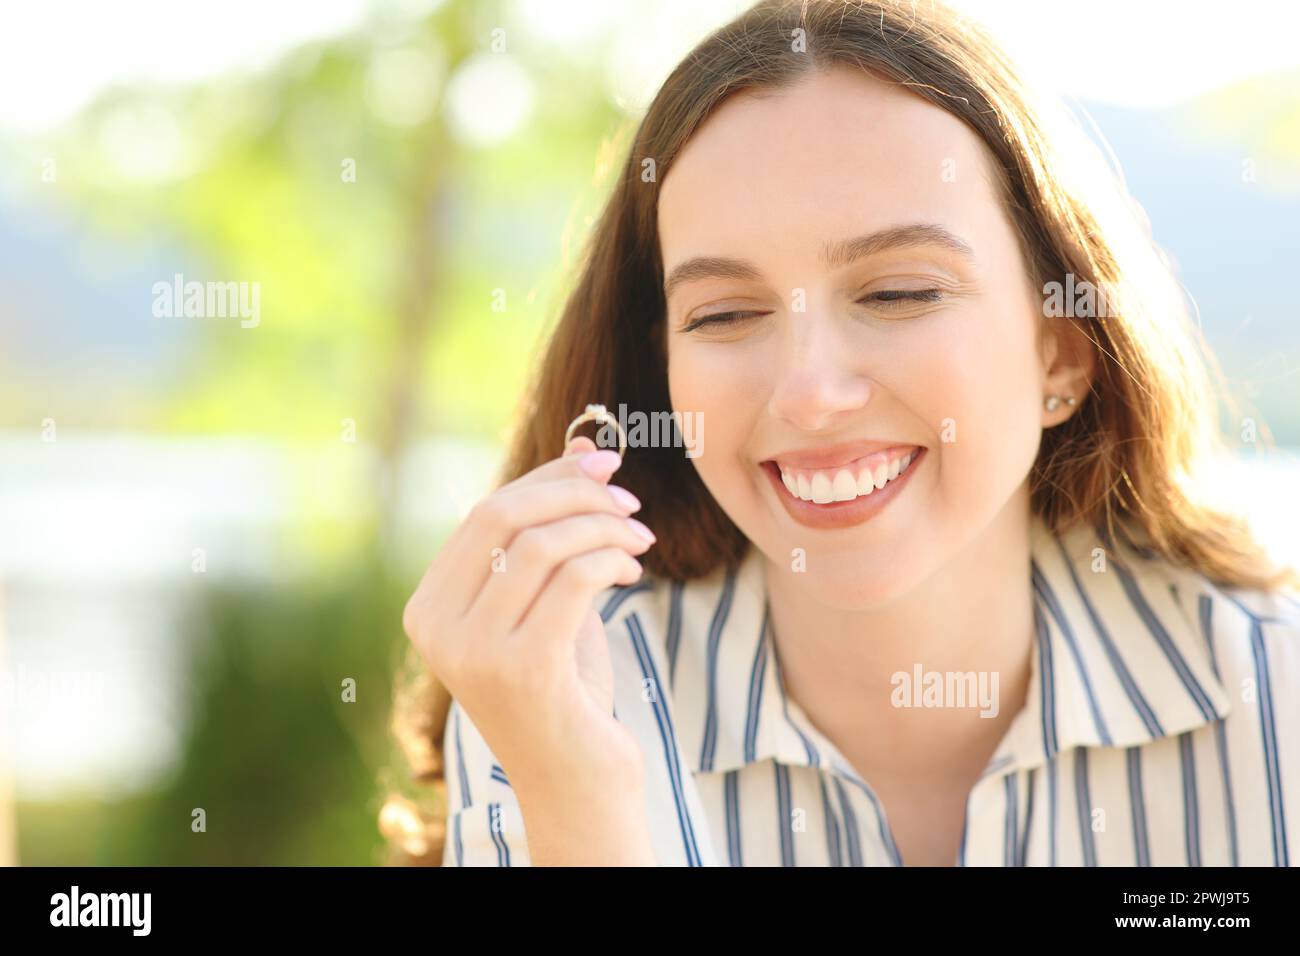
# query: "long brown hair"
{"type": "Point", "coordinates": [1123, 462]}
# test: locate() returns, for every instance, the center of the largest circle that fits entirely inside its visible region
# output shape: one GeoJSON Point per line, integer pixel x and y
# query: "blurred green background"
{"type": "Point", "coordinates": [208, 526]}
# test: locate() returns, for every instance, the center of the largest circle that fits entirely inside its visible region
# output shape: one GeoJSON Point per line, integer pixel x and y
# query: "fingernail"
{"type": "Point", "coordinates": [624, 498]}
{"type": "Point", "coordinates": [599, 464]}
{"type": "Point", "coordinates": [644, 532]}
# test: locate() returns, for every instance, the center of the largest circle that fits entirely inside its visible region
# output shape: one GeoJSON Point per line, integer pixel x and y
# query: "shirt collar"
{"type": "Point", "coordinates": [1119, 660]}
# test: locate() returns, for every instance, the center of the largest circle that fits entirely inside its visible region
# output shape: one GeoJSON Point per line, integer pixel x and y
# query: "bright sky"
{"type": "Point", "coordinates": [57, 54]}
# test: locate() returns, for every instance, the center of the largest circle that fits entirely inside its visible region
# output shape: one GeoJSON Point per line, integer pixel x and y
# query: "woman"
{"type": "Point", "coordinates": [938, 588]}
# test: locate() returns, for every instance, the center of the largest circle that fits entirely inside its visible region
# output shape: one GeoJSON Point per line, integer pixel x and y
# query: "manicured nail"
{"type": "Point", "coordinates": [599, 464]}
{"type": "Point", "coordinates": [625, 498]}
{"type": "Point", "coordinates": [642, 530]}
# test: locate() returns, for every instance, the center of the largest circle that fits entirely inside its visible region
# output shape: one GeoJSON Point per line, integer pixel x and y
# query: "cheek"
{"type": "Point", "coordinates": [687, 383]}
{"type": "Point", "coordinates": [714, 383]}
{"type": "Point", "coordinates": [984, 403]}
{"type": "Point", "coordinates": [724, 381]}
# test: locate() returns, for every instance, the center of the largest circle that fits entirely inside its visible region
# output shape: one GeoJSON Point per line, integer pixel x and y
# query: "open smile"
{"type": "Point", "coordinates": [840, 494]}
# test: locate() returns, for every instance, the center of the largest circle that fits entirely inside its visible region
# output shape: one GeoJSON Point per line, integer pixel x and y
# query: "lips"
{"type": "Point", "coordinates": [854, 479]}
{"type": "Point", "coordinates": [842, 486]}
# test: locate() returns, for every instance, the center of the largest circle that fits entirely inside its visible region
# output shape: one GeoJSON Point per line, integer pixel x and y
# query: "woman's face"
{"type": "Point", "coordinates": [844, 353]}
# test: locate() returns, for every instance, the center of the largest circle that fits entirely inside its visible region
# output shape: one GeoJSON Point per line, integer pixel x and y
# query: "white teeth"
{"type": "Point", "coordinates": [845, 488]}
{"type": "Point", "coordinates": [823, 488]}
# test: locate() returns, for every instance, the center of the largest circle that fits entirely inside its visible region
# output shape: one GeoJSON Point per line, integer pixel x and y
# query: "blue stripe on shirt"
{"type": "Point", "coordinates": [1191, 806]}
{"type": "Point", "coordinates": [1268, 730]}
{"type": "Point", "coordinates": [1144, 711]}
{"type": "Point", "coordinates": [754, 708]}
{"type": "Point", "coordinates": [1138, 807]}
{"type": "Point", "coordinates": [1084, 804]}
{"type": "Point", "coordinates": [1054, 607]}
{"type": "Point", "coordinates": [1176, 659]}
{"type": "Point", "coordinates": [711, 706]}
{"type": "Point", "coordinates": [832, 825]}
{"type": "Point", "coordinates": [668, 738]}
{"type": "Point", "coordinates": [785, 814]}
{"type": "Point", "coordinates": [731, 811]}
{"type": "Point", "coordinates": [499, 838]}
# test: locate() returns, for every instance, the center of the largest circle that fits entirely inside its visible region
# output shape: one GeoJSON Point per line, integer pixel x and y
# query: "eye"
{"type": "Point", "coordinates": [886, 298]}
{"type": "Point", "coordinates": [898, 298]}
{"type": "Point", "coordinates": [719, 320]}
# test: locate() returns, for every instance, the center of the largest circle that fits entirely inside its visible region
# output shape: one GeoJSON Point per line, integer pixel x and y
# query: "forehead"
{"type": "Point", "coordinates": [839, 153]}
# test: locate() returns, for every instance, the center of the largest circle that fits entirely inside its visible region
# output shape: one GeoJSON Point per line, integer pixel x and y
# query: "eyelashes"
{"type": "Point", "coordinates": [888, 299]}
{"type": "Point", "coordinates": [899, 295]}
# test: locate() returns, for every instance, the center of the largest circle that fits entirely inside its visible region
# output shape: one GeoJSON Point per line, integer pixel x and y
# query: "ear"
{"type": "Point", "coordinates": [1069, 366]}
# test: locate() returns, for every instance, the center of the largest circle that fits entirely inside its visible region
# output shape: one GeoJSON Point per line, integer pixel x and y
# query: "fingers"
{"type": "Point", "coordinates": [539, 552]}
{"type": "Point", "coordinates": [500, 614]}
{"type": "Point", "coordinates": [466, 561]}
{"type": "Point", "coordinates": [558, 611]}
{"type": "Point", "coordinates": [496, 516]}
{"type": "Point", "coordinates": [580, 445]}
{"type": "Point", "coordinates": [580, 458]}
{"type": "Point", "coordinates": [492, 527]}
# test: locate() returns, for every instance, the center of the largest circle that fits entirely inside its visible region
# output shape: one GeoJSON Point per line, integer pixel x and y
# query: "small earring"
{"type": "Point", "coordinates": [1053, 402]}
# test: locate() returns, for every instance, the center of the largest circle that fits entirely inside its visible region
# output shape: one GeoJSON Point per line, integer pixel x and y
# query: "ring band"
{"type": "Point", "coordinates": [597, 413]}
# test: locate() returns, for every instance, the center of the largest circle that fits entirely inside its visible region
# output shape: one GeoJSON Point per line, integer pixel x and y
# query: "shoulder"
{"type": "Point", "coordinates": [1251, 631]}
{"type": "Point", "coordinates": [1180, 643]}
{"type": "Point", "coordinates": [1238, 626]}
{"type": "Point", "coordinates": [1252, 637]}
{"type": "Point", "coordinates": [1233, 620]}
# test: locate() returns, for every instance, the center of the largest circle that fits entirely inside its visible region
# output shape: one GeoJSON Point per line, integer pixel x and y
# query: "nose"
{"type": "Point", "coordinates": [821, 378]}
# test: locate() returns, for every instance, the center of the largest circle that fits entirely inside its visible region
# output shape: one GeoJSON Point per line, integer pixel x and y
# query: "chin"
{"type": "Point", "coordinates": [852, 581]}
{"type": "Point", "coordinates": [846, 590]}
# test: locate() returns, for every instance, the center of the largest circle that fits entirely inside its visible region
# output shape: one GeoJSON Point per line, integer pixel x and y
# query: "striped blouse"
{"type": "Point", "coordinates": [1161, 728]}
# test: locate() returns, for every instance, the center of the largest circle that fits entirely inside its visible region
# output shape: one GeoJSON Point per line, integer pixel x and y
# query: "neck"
{"type": "Point", "coordinates": [973, 615]}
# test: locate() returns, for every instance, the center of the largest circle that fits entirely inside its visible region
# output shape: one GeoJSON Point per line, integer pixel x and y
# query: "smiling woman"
{"type": "Point", "coordinates": [914, 466]}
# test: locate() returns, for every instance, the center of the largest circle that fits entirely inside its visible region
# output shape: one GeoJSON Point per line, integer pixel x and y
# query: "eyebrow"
{"type": "Point", "coordinates": [835, 255]}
